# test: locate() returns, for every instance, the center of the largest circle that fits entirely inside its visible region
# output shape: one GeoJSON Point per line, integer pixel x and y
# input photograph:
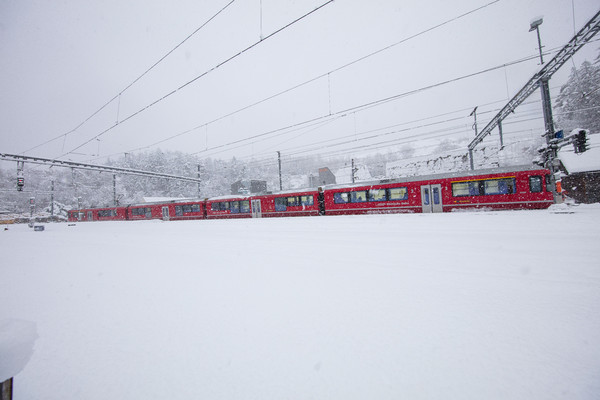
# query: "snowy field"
{"type": "Point", "coordinates": [482, 305]}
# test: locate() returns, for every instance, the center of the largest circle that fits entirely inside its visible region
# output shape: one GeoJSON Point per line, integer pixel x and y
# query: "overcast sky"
{"type": "Point", "coordinates": [63, 60]}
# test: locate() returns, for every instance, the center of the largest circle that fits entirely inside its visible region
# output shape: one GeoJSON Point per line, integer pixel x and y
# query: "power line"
{"type": "Point", "coordinates": [133, 82]}
{"type": "Point", "coordinates": [369, 104]}
{"type": "Point", "coordinates": [326, 74]}
{"type": "Point", "coordinates": [198, 77]}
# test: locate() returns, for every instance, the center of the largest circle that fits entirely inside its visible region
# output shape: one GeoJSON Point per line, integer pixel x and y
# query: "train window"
{"type": "Point", "coordinates": [187, 208]}
{"type": "Point", "coordinates": [280, 204]}
{"type": "Point", "coordinates": [140, 212]}
{"type": "Point", "coordinates": [195, 208]}
{"type": "Point", "coordinates": [245, 206]}
{"type": "Point", "coordinates": [235, 207]}
{"type": "Point", "coordinates": [398, 193]}
{"type": "Point", "coordinates": [306, 200]}
{"type": "Point", "coordinates": [535, 184]}
{"type": "Point", "coordinates": [220, 206]}
{"type": "Point", "coordinates": [340, 198]}
{"type": "Point", "coordinates": [292, 202]}
{"type": "Point", "coordinates": [492, 187]}
{"type": "Point", "coordinates": [473, 188]}
{"type": "Point", "coordinates": [484, 187]}
{"type": "Point", "coordinates": [499, 186]}
{"type": "Point", "coordinates": [148, 212]}
{"type": "Point", "coordinates": [377, 195]}
{"type": "Point", "coordinates": [435, 193]}
{"type": "Point", "coordinates": [107, 213]}
{"type": "Point", "coordinates": [178, 211]}
{"type": "Point", "coordinates": [358, 197]}
{"type": "Point", "coordinates": [460, 189]}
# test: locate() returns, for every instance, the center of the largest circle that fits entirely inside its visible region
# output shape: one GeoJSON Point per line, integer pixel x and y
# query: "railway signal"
{"type": "Point", "coordinates": [20, 183]}
{"type": "Point", "coordinates": [580, 142]}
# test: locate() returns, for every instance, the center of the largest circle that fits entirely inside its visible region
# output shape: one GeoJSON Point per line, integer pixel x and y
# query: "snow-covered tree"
{"type": "Point", "coordinates": [578, 104]}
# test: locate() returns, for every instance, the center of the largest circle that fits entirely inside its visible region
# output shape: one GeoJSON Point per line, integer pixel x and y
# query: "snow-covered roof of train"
{"type": "Point", "coordinates": [229, 197]}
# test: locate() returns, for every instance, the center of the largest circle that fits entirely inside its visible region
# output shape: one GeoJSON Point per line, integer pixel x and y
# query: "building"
{"type": "Point", "coordinates": [248, 187]}
{"type": "Point", "coordinates": [582, 179]}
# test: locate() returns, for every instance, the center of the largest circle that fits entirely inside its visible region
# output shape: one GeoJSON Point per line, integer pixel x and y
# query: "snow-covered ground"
{"type": "Point", "coordinates": [482, 305]}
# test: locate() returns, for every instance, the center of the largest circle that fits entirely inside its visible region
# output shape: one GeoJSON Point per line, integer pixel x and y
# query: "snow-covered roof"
{"type": "Point", "coordinates": [229, 197]}
{"type": "Point", "coordinates": [582, 162]}
{"type": "Point", "coordinates": [162, 199]}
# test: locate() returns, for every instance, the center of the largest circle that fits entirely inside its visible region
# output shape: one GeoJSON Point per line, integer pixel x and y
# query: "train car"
{"type": "Point", "coordinates": [98, 214]}
{"type": "Point", "coordinates": [286, 204]}
{"type": "Point", "coordinates": [228, 207]}
{"type": "Point", "coordinates": [73, 216]}
{"type": "Point", "coordinates": [499, 188]}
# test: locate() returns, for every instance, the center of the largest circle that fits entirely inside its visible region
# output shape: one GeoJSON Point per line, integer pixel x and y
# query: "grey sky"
{"type": "Point", "coordinates": [63, 60]}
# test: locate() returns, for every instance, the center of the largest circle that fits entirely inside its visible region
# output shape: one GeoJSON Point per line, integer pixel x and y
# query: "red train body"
{"type": "Point", "coordinates": [504, 188]}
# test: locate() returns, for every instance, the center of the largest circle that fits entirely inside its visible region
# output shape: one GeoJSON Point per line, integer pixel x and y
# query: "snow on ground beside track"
{"type": "Point", "coordinates": [482, 305]}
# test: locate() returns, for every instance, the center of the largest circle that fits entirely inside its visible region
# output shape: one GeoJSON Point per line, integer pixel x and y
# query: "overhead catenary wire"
{"type": "Point", "coordinates": [316, 78]}
{"type": "Point", "coordinates": [118, 95]}
{"type": "Point", "coordinates": [207, 149]}
{"type": "Point", "coordinates": [195, 79]}
{"type": "Point", "coordinates": [384, 100]}
{"type": "Point", "coordinates": [367, 105]}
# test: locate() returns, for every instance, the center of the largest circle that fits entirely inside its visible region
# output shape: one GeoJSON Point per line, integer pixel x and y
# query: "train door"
{"type": "Point", "coordinates": [431, 198]}
{"type": "Point", "coordinates": [256, 209]}
{"type": "Point", "coordinates": [90, 215]}
{"type": "Point", "coordinates": [165, 213]}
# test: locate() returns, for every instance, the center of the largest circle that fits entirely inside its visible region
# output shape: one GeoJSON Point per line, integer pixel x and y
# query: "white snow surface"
{"type": "Point", "coordinates": [17, 338]}
{"type": "Point", "coordinates": [582, 162]}
{"type": "Point", "coordinates": [481, 305]}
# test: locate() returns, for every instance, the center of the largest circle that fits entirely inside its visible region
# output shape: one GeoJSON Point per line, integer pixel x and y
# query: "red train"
{"type": "Point", "coordinates": [501, 188]}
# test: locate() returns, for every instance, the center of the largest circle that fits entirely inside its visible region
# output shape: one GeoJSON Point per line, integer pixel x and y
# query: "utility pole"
{"type": "Point", "coordinates": [31, 209]}
{"type": "Point", "coordinates": [20, 177]}
{"type": "Point", "coordinates": [474, 114]}
{"type": "Point", "coordinates": [279, 160]}
{"type": "Point", "coordinates": [75, 187]}
{"type": "Point", "coordinates": [198, 180]}
{"type": "Point", "coordinates": [52, 199]}
{"type": "Point", "coordinates": [115, 190]}
{"type": "Point", "coordinates": [547, 110]}
{"type": "Point", "coordinates": [535, 26]}
{"type": "Point", "coordinates": [353, 171]}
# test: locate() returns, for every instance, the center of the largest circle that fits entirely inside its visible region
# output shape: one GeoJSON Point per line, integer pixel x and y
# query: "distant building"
{"type": "Point", "coordinates": [582, 181]}
{"type": "Point", "coordinates": [326, 177]}
{"type": "Point", "coordinates": [248, 187]}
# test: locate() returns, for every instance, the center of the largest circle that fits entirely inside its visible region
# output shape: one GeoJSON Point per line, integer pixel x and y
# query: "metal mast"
{"type": "Point", "coordinates": [582, 37]}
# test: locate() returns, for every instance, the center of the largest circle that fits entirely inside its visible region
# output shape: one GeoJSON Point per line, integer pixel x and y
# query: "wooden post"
{"type": "Point", "coordinates": [6, 389]}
